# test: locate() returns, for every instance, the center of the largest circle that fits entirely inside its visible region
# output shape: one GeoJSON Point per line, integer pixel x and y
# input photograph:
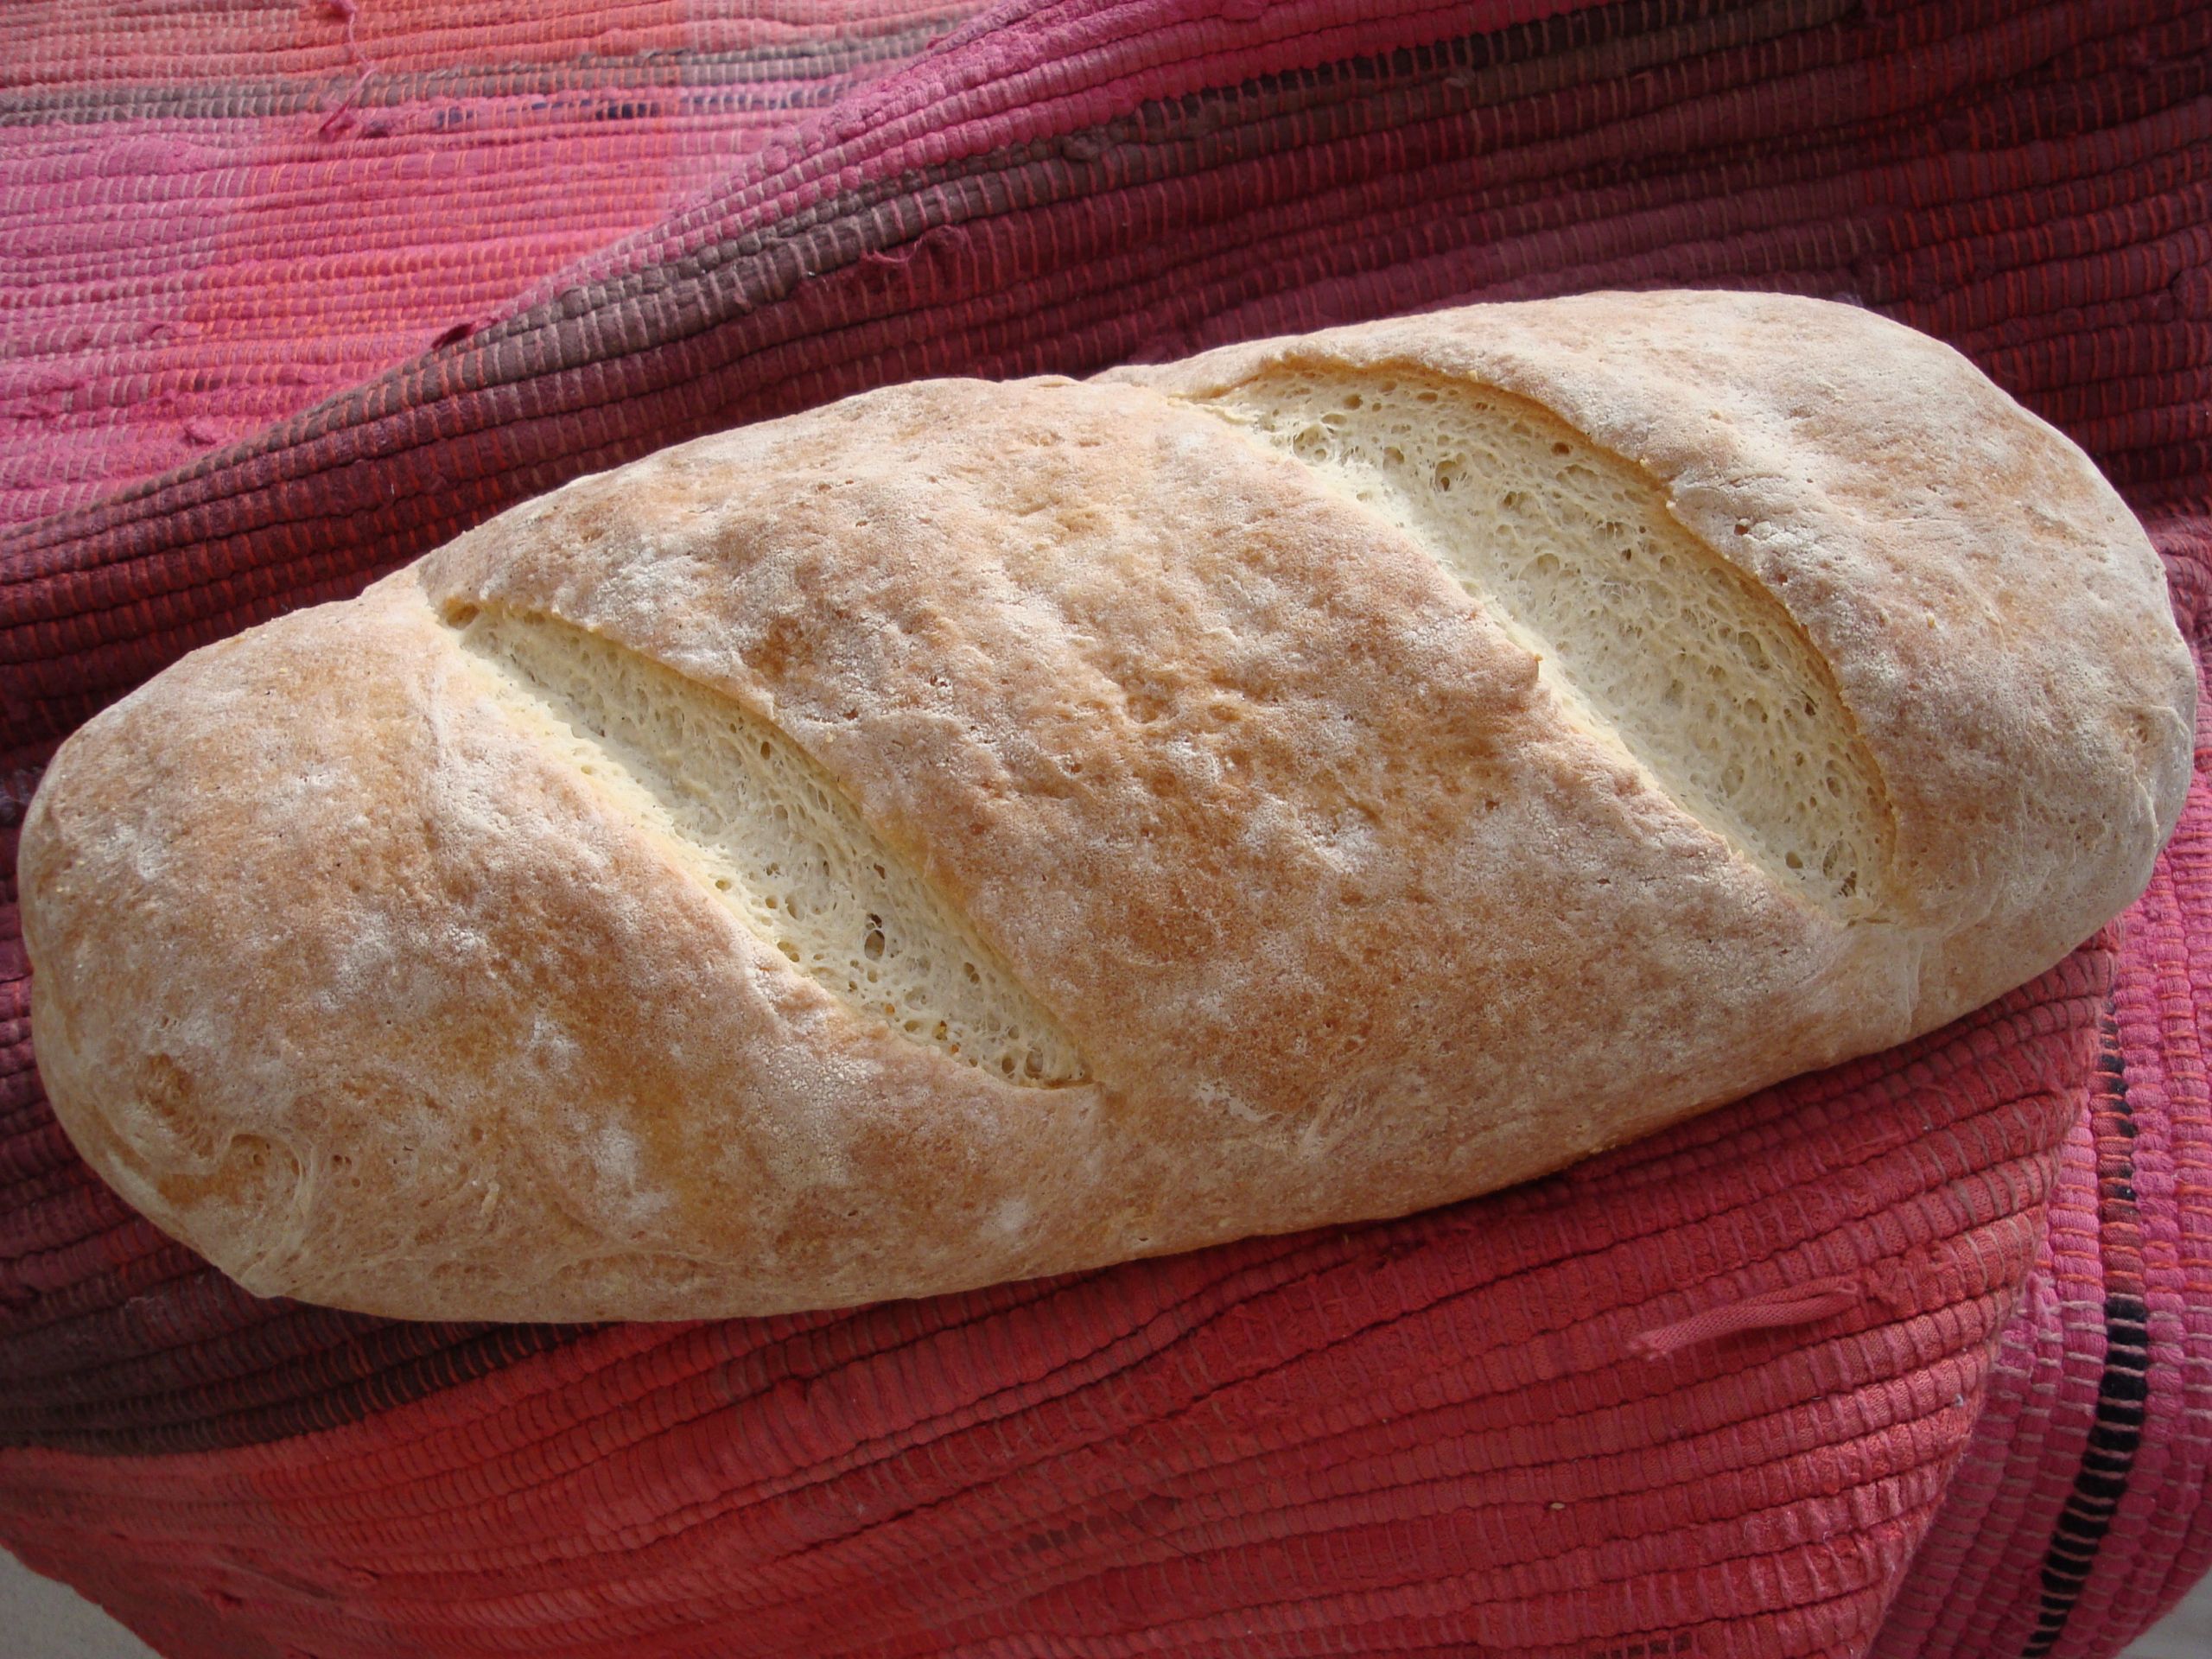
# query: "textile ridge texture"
{"type": "Point", "coordinates": [1911, 1359]}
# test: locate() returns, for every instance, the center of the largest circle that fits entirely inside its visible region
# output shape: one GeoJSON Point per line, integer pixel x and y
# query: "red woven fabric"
{"type": "Point", "coordinates": [1914, 1357]}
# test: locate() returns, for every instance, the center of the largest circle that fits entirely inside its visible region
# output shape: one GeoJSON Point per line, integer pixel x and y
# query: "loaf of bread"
{"type": "Point", "coordinates": [974, 831]}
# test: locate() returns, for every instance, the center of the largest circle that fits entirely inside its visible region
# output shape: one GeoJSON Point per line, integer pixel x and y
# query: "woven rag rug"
{"type": "Point", "coordinates": [1912, 1357]}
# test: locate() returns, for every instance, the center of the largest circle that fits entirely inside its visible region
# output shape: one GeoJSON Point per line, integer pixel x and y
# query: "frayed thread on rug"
{"type": "Point", "coordinates": [1780, 1309]}
{"type": "Point", "coordinates": [342, 117]}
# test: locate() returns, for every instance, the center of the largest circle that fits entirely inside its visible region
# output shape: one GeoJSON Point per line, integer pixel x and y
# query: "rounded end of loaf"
{"type": "Point", "coordinates": [92, 864]}
{"type": "Point", "coordinates": [349, 979]}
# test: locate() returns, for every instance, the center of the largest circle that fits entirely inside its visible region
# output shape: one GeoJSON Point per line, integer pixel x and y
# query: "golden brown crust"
{"type": "Point", "coordinates": [1996, 617]}
{"type": "Point", "coordinates": [1344, 914]}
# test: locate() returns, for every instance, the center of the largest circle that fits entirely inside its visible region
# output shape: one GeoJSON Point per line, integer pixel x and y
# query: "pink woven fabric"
{"type": "Point", "coordinates": [225, 216]}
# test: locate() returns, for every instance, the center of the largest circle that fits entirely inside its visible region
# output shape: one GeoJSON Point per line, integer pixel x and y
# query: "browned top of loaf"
{"type": "Point", "coordinates": [1993, 612]}
{"type": "Point", "coordinates": [348, 980]}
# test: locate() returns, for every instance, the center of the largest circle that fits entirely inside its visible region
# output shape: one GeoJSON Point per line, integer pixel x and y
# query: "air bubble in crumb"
{"type": "Point", "coordinates": [760, 822]}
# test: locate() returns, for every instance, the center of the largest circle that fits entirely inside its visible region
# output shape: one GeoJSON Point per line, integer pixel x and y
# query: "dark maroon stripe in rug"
{"type": "Point", "coordinates": [390, 1366]}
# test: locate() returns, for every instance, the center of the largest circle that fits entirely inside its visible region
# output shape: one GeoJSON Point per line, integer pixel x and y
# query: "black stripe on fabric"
{"type": "Point", "coordinates": [2116, 1430]}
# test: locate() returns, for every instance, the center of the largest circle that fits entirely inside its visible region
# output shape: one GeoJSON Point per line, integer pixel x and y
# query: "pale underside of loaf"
{"type": "Point", "coordinates": [972, 832]}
